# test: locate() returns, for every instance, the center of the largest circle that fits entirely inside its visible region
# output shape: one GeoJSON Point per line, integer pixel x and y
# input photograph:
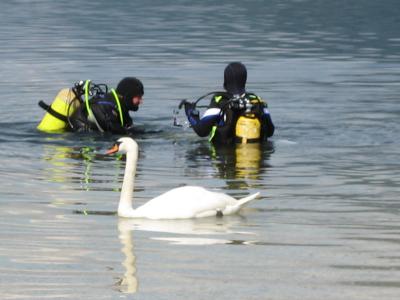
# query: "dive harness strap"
{"type": "Point", "coordinates": [51, 111]}
{"type": "Point", "coordinates": [212, 133]}
{"type": "Point", "coordinates": [91, 115]}
{"type": "Point", "coordinates": [121, 117]}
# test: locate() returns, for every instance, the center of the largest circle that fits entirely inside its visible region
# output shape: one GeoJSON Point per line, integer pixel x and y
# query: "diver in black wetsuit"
{"type": "Point", "coordinates": [223, 116]}
{"type": "Point", "coordinates": [107, 111]}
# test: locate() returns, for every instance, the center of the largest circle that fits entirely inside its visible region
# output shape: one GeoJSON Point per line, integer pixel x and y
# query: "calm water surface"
{"type": "Point", "coordinates": [327, 225]}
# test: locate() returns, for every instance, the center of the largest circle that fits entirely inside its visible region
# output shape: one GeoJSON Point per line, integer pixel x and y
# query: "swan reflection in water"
{"type": "Point", "coordinates": [196, 232]}
{"type": "Point", "coordinates": [128, 283]}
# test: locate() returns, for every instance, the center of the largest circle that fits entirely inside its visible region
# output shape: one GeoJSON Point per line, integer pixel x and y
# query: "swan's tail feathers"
{"type": "Point", "coordinates": [245, 200]}
{"type": "Point", "coordinates": [232, 209]}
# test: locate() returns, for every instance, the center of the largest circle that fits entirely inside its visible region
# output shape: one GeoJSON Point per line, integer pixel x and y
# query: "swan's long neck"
{"type": "Point", "coordinates": [125, 201]}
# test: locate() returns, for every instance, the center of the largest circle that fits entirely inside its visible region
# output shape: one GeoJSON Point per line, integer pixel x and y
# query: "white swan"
{"type": "Point", "coordinates": [180, 203]}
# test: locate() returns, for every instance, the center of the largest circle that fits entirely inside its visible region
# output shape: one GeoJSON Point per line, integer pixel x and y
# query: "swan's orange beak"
{"type": "Point", "coordinates": [113, 149]}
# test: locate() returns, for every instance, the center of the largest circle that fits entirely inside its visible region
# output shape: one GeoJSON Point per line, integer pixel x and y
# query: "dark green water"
{"type": "Point", "coordinates": [327, 225]}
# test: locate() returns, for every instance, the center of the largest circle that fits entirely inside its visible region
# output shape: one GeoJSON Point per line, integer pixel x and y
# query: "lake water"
{"type": "Point", "coordinates": [328, 223]}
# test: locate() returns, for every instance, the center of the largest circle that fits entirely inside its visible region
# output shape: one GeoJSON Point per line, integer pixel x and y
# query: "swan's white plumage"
{"type": "Point", "coordinates": [180, 203]}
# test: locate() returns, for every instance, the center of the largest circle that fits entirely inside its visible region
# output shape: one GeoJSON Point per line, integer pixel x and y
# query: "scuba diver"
{"type": "Point", "coordinates": [233, 115]}
{"type": "Point", "coordinates": [90, 107]}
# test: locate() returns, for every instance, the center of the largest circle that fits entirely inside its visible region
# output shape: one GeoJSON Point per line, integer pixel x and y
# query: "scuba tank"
{"type": "Point", "coordinates": [248, 125]}
{"type": "Point", "coordinates": [68, 101]}
{"type": "Point", "coordinates": [57, 114]}
{"type": "Point", "coordinates": [248, 128]}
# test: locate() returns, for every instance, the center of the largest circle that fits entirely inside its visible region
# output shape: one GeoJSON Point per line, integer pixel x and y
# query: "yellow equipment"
{"type": "Point", "coordinates": [248, 128]}
{"type": "Point", "coordinates": [56, 117]}
{"type": "Point", "coordinates": [248, 159]}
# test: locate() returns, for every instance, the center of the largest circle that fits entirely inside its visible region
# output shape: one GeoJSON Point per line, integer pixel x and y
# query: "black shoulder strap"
{"type": "Point", "coordinates": [51, 111]}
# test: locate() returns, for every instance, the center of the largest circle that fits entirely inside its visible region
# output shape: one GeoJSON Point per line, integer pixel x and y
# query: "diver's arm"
{"type": "Point", "coordinates": [204, 125]}
{"type": "Point", "coordinates": [114, 124]}
{"type": "Point", "coordinates": [268, 126]}
{"type": "Point", "coordinates": [108, 118]}
{"type": "Point", "coordinates": [115, 127]}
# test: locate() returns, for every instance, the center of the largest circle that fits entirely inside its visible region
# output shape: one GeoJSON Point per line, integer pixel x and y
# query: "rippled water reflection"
{"type": "Point", "coordinates": [326, 225]}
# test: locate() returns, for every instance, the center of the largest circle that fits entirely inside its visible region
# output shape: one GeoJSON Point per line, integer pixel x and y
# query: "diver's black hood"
{"type": "Point", "coordinates": [128, 88]}
{"type": "Point", "coordinates": [235, 77]}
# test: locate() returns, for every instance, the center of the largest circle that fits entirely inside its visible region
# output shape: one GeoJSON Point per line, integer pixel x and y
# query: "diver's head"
{"type": "Point", "coordinates": [235, 76]}
{"type": "Point", "coordinates": [132, 91]}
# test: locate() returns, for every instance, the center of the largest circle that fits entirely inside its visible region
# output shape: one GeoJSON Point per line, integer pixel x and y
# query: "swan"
{"type": "Point", "coordinates": [184, 202]}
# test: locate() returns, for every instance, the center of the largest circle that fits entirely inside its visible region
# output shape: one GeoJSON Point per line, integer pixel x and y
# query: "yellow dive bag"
{"type": "Point", "coordinates": [248, 128]}
{"type": "Point", "coordinates": [56, 117]}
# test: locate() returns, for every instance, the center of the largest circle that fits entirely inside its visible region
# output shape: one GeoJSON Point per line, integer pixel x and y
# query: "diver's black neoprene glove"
{"type": "Point", "coordinates": [190, 108]}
